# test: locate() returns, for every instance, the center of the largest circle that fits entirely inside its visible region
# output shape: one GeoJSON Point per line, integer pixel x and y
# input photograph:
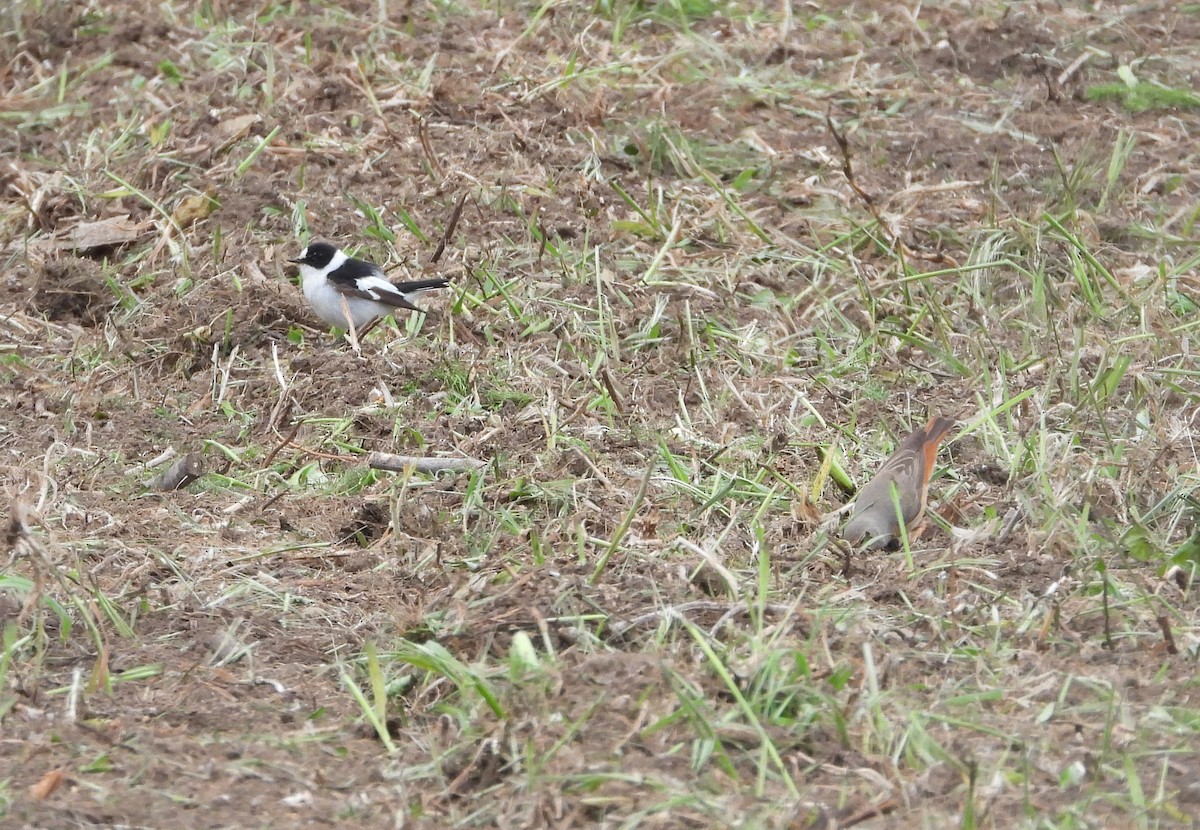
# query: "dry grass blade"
{"type": "Point", "coordinates": [421, 464]}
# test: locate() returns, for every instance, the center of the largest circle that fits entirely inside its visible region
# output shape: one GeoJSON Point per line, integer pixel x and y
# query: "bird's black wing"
{"type": "Point", "coordinates": [359, 278]}
{"type": "Point", "coordinates": [347, 277]}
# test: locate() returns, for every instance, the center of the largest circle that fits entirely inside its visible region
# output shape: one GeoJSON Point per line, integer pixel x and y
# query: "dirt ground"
{"type": "Point", "coordinates": [660, 263]}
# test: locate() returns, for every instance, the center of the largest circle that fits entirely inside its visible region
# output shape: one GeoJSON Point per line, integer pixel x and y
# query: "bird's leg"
{"type": "Point", "coordinates": [369, 326]}
{"type": "Point", "coordinates": [353, 335]}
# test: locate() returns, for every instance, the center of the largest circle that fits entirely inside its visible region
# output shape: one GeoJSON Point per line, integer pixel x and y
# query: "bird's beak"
{"type": "Point", "coordinates": [297, 261]}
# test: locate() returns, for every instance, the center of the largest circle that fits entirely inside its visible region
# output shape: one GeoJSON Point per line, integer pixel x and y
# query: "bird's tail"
{"type": "Point", "coordinates": [421, 285]}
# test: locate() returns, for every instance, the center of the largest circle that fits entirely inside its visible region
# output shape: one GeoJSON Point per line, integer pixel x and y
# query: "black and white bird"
{"type": "Point", "coordinates": [354, 294]}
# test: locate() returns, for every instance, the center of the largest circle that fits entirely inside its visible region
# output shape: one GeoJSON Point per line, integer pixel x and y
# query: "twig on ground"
{"type": "Point", "coordinates": [1068, 73]}
{"type": "Point", "coordinates": [451, 224]}
{"type": "Point", "coordinates": [400, 463]}
{"type": "Point", "coordinates": [615, 394]}
{"type": "Point", "coordinates": [1165, 624]}
{"type": "Point", "coordinates": [848, 172]}
{"type": "Point", "coordinates": [435, 166]}
{"type": "Point", "coordinates": [291, 436]}
{"type": "Point", "coordinates": [870, 812]}
{"type": "Point", "coordinates": [847, 551]}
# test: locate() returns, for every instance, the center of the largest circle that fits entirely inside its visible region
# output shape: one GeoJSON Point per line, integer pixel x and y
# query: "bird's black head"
{"type": "Point", "coordinates": [316, 255]}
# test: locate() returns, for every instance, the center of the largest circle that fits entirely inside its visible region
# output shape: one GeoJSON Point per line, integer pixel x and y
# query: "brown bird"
{"type": "Point", "coordinates": [909, 468]}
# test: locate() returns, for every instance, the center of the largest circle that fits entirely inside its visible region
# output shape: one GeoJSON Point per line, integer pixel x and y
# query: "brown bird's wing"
{"type": "Point", "coordinates": [906, 468]}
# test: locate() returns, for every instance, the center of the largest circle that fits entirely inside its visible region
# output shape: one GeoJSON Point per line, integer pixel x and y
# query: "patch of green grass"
{"type": "Point", "coordinates": [1144, 96]}
{"type": "Point", "coordinates": [664, 148]}
{"type": "Point", "coordinates": [679, 13]}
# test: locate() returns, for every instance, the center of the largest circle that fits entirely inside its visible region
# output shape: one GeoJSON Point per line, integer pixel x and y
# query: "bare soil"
{"type": "Point", "coordinates": [248, 600]}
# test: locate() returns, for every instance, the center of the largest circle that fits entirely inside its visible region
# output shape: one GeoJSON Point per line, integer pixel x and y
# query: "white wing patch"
{"type": "Point", "coordinates": [377, 287]}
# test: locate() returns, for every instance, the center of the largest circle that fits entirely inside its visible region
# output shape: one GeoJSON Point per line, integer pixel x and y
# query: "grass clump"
{"type": "Point", "coordinates": [1144, 96]}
